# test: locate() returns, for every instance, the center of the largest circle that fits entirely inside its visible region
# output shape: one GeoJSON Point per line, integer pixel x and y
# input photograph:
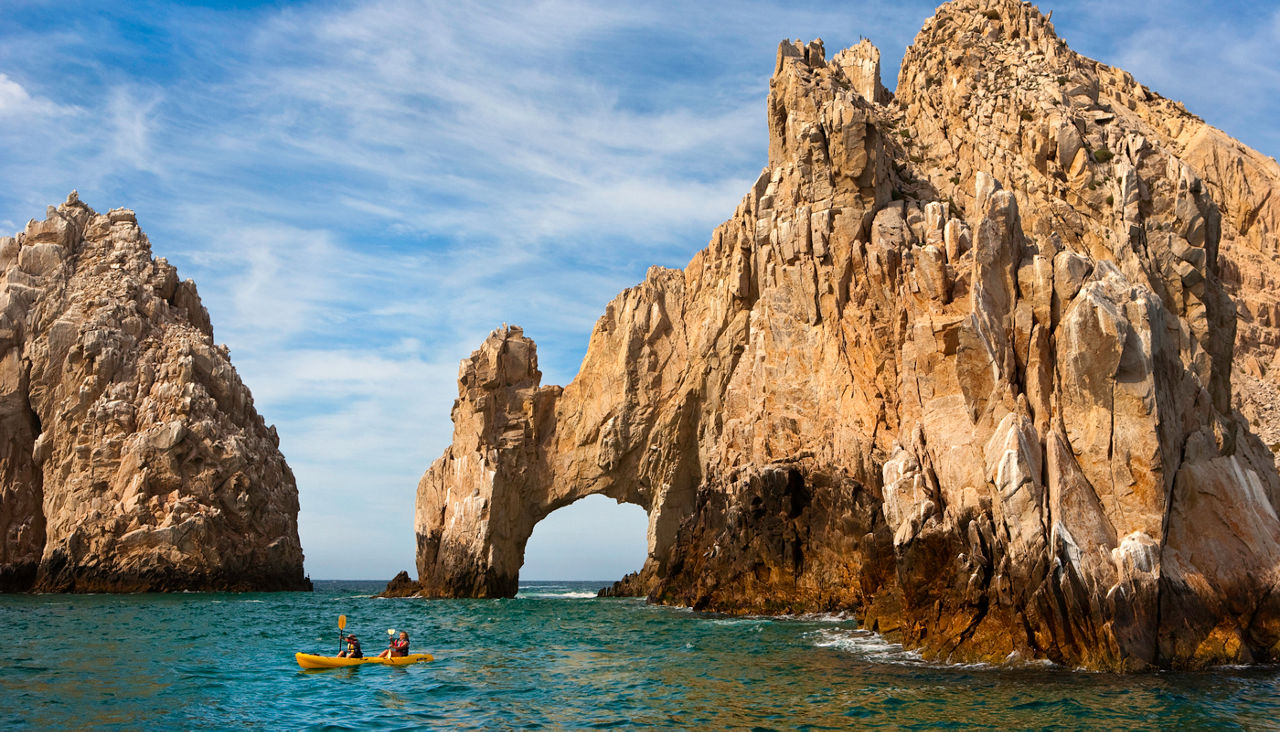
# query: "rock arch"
{"type": "Point", "coordinates": [514, 461]}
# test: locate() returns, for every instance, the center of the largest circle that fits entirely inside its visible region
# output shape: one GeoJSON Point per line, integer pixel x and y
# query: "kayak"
{"type": "Point", "coordinates": [308, 660]}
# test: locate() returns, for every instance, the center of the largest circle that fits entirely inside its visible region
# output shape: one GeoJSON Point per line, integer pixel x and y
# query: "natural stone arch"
{"type": "Point", "coordinates": [514, 461]}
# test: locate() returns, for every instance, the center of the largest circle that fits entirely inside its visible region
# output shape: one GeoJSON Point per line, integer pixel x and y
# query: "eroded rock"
{"type": "Point", "coordinates": [959, 362]}
{"type": "Point", "coordinates": [131, 457]}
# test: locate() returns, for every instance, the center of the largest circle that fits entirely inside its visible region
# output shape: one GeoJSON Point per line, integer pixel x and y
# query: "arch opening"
{"type": "Point", "coordinates": [591, 539]}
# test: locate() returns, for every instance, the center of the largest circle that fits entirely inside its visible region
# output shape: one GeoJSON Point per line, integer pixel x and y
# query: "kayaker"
{"type": "Point", "coordinates": [353, 648]}
{"type": "Point", "coordinates": [398, 648]}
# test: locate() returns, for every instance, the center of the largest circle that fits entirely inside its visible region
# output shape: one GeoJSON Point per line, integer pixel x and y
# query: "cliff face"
{"type": "Point", "coordinates": [961, 361]}
{"type": "Point", "coordinates": [131, 457]}
{"type": "Point", "coordinates": [1079, 144]}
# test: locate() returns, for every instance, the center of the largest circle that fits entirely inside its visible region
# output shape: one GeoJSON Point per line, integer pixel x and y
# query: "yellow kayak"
{"type": "Point", "coordinates": [308, 660]}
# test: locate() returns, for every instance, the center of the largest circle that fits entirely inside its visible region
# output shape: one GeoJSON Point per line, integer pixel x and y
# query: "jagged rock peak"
{"type": "Point", "coordinates": [861, 66]}
{"type": "Point", "coordinates": [506, 359]}
{"type": "Point", "coordinates": [856, 68]}
{"type": "Point", "coordinates": [131, 457]}
{"type": "Point", "coordinates": [991, 21]}
{"type": "Point", "coordinates": [961, 362]}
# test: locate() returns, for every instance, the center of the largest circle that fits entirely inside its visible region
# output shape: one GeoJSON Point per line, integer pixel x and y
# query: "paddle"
{"type": "Point", "coordinates": [342, 623]}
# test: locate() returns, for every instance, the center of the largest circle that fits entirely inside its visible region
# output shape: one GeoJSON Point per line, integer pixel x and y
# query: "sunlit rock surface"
{"type": "Point", "coordinates": [131, 457]}
{"type": "Point", "coordinates": [961, 362]}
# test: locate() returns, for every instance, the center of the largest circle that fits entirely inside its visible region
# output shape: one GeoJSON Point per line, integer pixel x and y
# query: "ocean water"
{"type": "Point", "coordinates": [554, 657]}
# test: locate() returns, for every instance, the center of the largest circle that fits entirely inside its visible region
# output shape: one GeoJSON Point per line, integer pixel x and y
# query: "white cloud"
{"type": "Point", "coordinates": [16, 101]}
{"type": "Point", "coordinates": [279, 281]}
{"type": "Point", "coordinates": [54, 147]}
{"type": "Point", "coordinates": [13, 97]}
{"type": "Point", "coordinates": [130, 123]}
{"type": "Point", "coordinates": [479, 124]}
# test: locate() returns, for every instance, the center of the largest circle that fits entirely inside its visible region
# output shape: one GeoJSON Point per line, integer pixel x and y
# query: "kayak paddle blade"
{"type": "Point", "coordinates": [342, 622]}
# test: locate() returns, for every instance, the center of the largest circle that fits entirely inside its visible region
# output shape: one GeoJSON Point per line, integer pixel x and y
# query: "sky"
{"type": "Point", "coordinates": [363, 190]}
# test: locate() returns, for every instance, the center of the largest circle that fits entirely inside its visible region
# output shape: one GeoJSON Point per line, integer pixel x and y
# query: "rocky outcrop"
{"type": "Point", "coordinates": [631, 585]}
{"type": "Point", "coordinates": [961, 362]}
{"type": "Point", "coordinates": [400, 586]}
{"type": "Point", "coordinates": [131, 457]}
{"type": "Point", "coordinates": [1080, 144]}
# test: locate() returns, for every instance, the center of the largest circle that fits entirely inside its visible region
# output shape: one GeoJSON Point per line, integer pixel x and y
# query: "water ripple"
{"type": "Point", "coordinates": [554, 658]}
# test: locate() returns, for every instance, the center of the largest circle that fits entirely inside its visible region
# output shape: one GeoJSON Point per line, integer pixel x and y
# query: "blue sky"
{"type": "Point", "coordinates": [362, 191]}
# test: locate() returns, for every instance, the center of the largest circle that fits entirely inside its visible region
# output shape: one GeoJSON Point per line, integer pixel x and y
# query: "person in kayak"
{"type": "Point", "coordinates": [398, 648]}
{"type": "Point", "coordinates": [353, 648]}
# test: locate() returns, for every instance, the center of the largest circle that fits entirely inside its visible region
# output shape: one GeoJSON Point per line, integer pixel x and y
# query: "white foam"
{"type": "Point", "coordinates": [741, 621]}
{"type": "Point", "coordinates": [557, 595]}
{"type": "Point", "coordinates": [865, 644]}
{"type": "Point", "coordinates": [840, 617]}
{"type": "Point", "coordinates": [874, 648]}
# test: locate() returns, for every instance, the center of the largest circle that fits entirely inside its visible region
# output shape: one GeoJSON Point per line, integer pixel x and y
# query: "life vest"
{"type": "Point", "coordinates": [399, 647]}
{"type": "Point", "coordinates": [353, 649]}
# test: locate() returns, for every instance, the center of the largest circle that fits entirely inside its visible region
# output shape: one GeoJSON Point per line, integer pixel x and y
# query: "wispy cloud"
{"type": "Point", "coordinates": [457, 115]}
{"type": "Point", "coordinates": [129, 123]}
{"type": "Point", "coordinates": [16, 101]}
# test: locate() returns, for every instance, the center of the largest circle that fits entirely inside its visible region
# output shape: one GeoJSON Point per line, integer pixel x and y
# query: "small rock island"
{"type": "Point", "coordinates": [131, 456]}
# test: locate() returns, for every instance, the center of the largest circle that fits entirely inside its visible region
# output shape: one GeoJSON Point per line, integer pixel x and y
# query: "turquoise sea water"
{"type": "Point", "coordinates": [554, 657]}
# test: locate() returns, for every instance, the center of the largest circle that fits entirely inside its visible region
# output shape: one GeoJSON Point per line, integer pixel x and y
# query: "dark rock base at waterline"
{"type": "Point", "coordinates": [629, 586]}
{"type": "Point", "coordinates": [90, 580]}
{"type": "Point", "coordinates": [401, 586]}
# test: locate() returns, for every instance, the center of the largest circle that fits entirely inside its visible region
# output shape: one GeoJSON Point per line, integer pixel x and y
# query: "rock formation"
{"type": "Point", "coordinates": [131, 457]}
{"type": "Point", "coordinates": [631, 585]}
{"type": "Point", "coordinates": [961, 362]}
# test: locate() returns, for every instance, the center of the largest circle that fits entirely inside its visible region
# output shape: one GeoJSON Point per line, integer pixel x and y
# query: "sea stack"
{"type": "Point", "coordinates": [961, 362]}
{"type": "Point", "coordinates": [131, 456]}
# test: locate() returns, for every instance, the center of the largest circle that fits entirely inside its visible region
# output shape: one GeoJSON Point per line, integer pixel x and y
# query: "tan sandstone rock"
{"type": "Point", "coordinates": [960, 361]}
{"type": "Point", "coordinates": [131, 457]}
